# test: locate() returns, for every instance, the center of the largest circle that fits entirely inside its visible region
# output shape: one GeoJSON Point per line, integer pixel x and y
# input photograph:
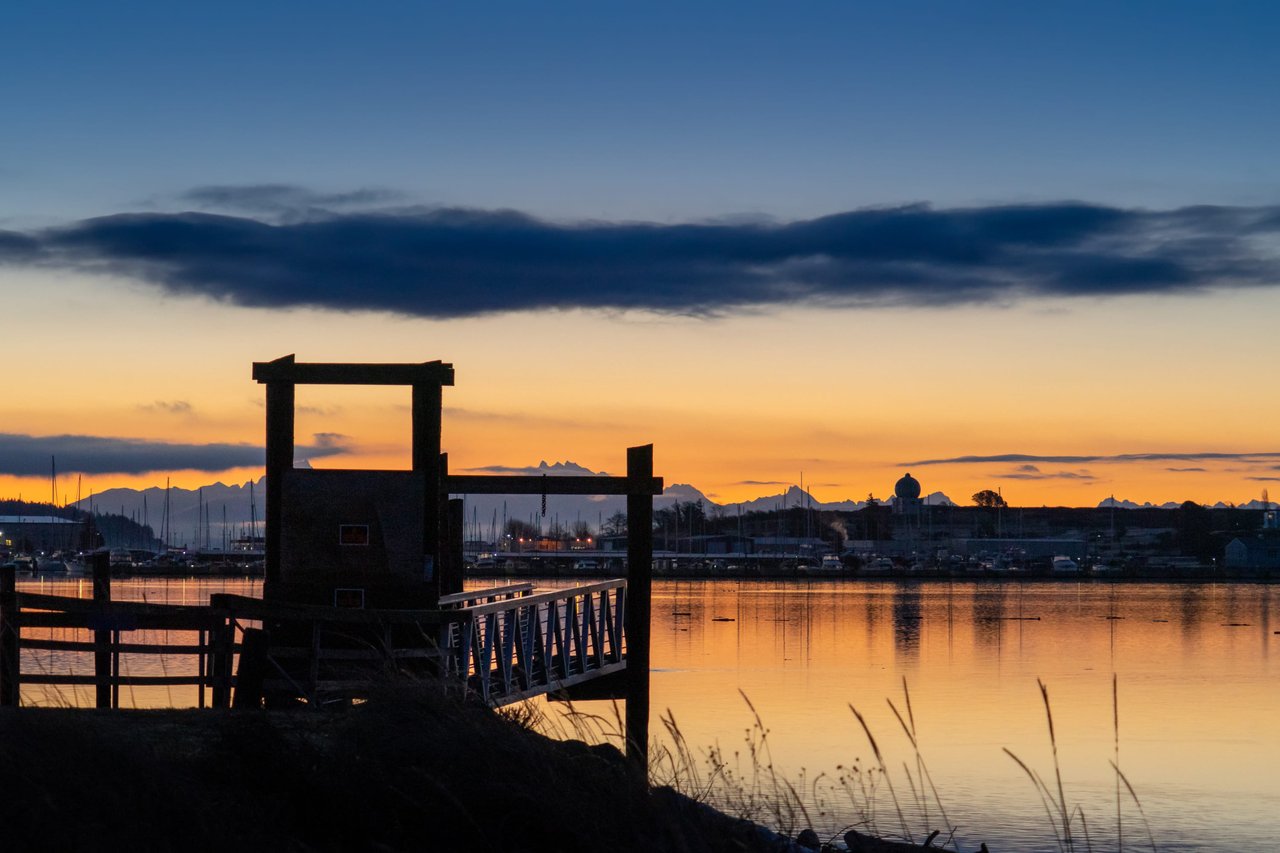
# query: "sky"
{"type": "Point", "coordinates": [1028, 247]}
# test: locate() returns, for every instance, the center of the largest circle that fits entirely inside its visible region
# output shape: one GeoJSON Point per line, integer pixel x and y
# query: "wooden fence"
{"type": "Point", "coordinates": [506, 643]}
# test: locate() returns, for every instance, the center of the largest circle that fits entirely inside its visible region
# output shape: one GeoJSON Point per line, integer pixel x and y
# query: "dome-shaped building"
{"type": "Point", "coordinates": [906, 496]}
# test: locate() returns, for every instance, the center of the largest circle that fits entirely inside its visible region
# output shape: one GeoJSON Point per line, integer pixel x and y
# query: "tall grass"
{"type": "Point", "coordinates": [1062, 815]}
{"type": "Point", "coordinates": [874, 797]}
{"type": "Point", "coordinates": [745, 782]}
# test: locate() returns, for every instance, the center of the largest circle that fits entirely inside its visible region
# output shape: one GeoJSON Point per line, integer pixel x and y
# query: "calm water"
{"type": "Point", "coordinates": [1199, 698]}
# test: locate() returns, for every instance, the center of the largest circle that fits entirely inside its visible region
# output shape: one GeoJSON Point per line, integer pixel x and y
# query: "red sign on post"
{"type": "Point", "coordinates": [353, 534]}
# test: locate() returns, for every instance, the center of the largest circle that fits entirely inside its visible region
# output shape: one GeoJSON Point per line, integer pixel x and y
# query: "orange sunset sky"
{"type": "Point", "coordinates": [737, 406]}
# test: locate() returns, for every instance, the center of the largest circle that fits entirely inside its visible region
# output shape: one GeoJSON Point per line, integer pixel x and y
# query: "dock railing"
{"type": "Point", "coordinates": [511, 649]}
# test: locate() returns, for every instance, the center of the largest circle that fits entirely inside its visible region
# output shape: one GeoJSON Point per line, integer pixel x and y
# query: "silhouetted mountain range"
{"type": "Point", "coordinates": [243, 503]}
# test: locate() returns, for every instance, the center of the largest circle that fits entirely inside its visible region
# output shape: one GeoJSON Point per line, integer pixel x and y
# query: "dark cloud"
{"type": "Point", "coordinates": [1264, 479]}
{"type": "Point", "coordinates": [16, 247]}
{"type": "Point", "coordinates": [1073, 460]}
{"type": "Point", "coordinates": [460, 262]}
{"type": "Point", "coordinates": [1185, 470]}
{"type": "Point", "coordinates": [29, 455]}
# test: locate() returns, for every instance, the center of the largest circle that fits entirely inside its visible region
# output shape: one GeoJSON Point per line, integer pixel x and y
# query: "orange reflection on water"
{"type": "Point", "coordinates": [1198, 696]}
{"type": "Point", "coordinates": [189, 591]}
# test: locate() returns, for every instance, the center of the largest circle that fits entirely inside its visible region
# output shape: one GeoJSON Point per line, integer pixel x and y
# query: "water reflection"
{"type": "Point", "coordinates": [907, 616]}
{"type": "Point", "coordinates": [1197, 710]}
{"type": "Point", "coordinates": [988, 615]}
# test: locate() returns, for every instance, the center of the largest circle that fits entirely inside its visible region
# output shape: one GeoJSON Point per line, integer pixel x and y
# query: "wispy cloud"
{"type": "Point", "coordinates": [1185, 470]}
{"type": "Point", "coordinates": [29, 455]}
{"type": "Point", "coordinates": [519, 418]}
{"type": "Point", "coordinates": [1075, 460]}
{"type": "Point", "coordinates": [282, 199]}
{"type": "Point", "coordinates": [454, 262]}
{"type": "Point", "coordinates": [1032, 472]}
{"type": "Point", "coordinates": [173, 407]}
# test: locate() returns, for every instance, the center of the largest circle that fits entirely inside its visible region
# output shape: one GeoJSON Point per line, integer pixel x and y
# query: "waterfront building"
{"type": "Point", "coordinates": [906, 497]}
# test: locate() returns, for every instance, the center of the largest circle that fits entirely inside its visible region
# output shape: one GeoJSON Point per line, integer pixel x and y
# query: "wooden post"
{"type": "Point", "coordinates": [101, 563]}
{"type": "Point", "coordinates": [452, 572]}
{"type": "Point", "coordinates": [221, 650]}
{"type": "Point", "coordinates": [427, 402]}
{"type": "Point", "coordinates": [639, 583]}
{"type": "Point", "coordinates": [253, 669]}
{"type": "Point", "coordinates": [280, 398]}
{"type": "Point", "coordinates": [10, 637]}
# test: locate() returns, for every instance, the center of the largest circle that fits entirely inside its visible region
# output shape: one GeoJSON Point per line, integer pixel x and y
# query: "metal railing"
{"type": "Point", "coordinates": [512, 649]}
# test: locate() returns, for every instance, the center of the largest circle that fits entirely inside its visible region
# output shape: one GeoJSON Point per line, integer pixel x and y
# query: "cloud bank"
{"type": "Point", "coordinates": [453, 262]}
{"type": "Point", "coordinates": [30, 455]}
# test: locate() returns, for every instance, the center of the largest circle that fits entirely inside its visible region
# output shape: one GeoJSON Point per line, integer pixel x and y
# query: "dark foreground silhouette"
{"type": "Point", "coordinates": [411, 769]}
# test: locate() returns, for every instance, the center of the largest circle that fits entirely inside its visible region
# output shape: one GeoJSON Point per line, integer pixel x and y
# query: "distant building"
{"type": "Point", "coordinates": [1253, 556]}
{"type": "Point", "coordinates": [38, 533]}
{"type": "Point", "coordinates": [906, 497]}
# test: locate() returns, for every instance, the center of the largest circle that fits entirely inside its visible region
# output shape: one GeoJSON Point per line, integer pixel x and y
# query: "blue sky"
{"type": "Point", "coordinates": [662, 112]}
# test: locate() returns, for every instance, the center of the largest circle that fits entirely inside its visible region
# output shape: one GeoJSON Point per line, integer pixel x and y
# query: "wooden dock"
{"type": "Point", "coordinates": [500, 645]}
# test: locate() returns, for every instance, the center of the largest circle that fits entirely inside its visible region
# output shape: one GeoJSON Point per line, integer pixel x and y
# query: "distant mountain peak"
{"type": "Point", "coordinates": [555, 469]}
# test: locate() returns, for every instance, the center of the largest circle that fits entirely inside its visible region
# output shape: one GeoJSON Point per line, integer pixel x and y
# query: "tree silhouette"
{"type": "Point", "coordinates": [988, 498]}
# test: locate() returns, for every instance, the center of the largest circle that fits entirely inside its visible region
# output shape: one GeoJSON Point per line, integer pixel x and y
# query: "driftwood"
{"type": "Point", "coordinates": [859, 843]}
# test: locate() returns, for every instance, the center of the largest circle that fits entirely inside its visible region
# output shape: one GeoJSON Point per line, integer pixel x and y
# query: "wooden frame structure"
{"type": "Point", "coordinates": [440, 542]}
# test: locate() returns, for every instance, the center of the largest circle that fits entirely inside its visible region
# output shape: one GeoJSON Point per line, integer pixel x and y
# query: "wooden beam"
{"type": "Point", "coordinates": [318, 373]}
{"type": "Point", "coordinates": [482, 484]}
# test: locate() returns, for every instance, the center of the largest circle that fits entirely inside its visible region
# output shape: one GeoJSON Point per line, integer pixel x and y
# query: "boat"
{"type": "Point", "coordinates": [51, 563]}
{"type": "Point", "coordinates": [831, 566]}
{"type": "Point", "coordinates": [878, 566]}
{"type": "Point", "coordinates": [1064, 566]}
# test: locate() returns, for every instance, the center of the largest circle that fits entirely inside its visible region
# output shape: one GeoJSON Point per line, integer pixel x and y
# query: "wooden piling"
{"type": "Point", "coordinates": [221, 650]}
{"type": "Point", "coordinates": [101, 567]}
{"type": "Point", "coordinates": [252, 672]}
{"type": "Point", "coordinates": [639, 584]}
{"type": "Point", "coordinates": [451, 573]}
{"type": "Point", "coordinates": [10, 637]}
